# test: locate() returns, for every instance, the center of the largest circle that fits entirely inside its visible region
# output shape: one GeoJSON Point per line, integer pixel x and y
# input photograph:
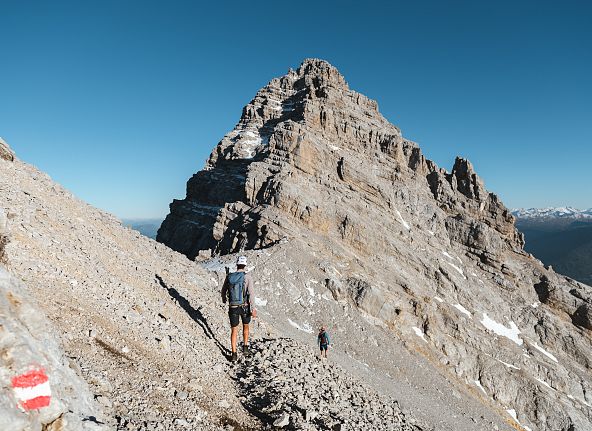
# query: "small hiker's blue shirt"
{"type": "Point", "coordinates": [320, 337]}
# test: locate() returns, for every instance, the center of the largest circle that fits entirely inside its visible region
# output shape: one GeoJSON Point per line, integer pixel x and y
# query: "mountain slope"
{"type": "Point", "coordinates": [428, 256]}
{"type": "Point", "coordinates": [141, 324]}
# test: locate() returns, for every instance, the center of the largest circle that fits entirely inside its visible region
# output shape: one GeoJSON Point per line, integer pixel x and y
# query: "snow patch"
{"type": "Point", "coordinates": [508, 365]}
{"type": "Point", "coordinates": [458, 268]}
{"type": "Point", "coordinates": [311, 291]}
{"type": "Point", "coordinates": [544, 352]}
{"type": "Point", "coordinates": [544, 383]}
{"type": "Point", "coordinates": [447, 255]}
{"type": "Point", "coordinates": [478, 384]}
{"type": "Point", "coordinates": [419, 333]}
{"type": "Point", "coordinates": [511, 333]}
{"type": "Point", "coordinates": [304, 328]}
{"type": "Point", "coordinates": [512, 413]}
{"type": "Point", "coordinates": [571, 397]}
{"type": "Point", "coordinates": [260, 302]}
{"type": "Point", "coordinates": [403, 222]}
{"type": "Point", "coordinates": [462, 310]}
{"type": "Point", "coordinates": [437, 298]}
{"type": "Point", "coordinates": [249, 140]}
{"type": "Point", "coordinates": [536, 304]}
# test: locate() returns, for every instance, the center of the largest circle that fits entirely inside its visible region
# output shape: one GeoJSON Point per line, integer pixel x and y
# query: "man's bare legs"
{"type": "Point", "coordinates": [234, 335]}
{"type": "Point", "coordinates": [245, 335]}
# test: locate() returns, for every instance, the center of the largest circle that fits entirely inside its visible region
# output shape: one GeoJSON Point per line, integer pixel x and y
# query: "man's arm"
{"type": "Point", "coordinates": [225, 290]}
{"type": "Point", "coordinates": [250, 293]}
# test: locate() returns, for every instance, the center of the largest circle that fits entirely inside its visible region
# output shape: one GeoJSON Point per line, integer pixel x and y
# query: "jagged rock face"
{"type": "Point", "coordinates": [29, 349]}
{"type": "Point", "coordinates": [314, 163]}
{"type": "Point", "coordinates": [306, 152]}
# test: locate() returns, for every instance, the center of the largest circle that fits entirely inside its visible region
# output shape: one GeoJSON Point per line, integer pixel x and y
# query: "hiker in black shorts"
{"type": "Point", "coordinates": [238, 291]}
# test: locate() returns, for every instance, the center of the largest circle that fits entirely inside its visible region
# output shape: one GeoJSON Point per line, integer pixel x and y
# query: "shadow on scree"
{"type": "Point", "coordinates": [195, 315]}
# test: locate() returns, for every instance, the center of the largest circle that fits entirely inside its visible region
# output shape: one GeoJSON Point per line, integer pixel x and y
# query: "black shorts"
{"type": "Point", "coordinates": [324, 347]}
{"type": "Point", "coordinates": [239, 313]}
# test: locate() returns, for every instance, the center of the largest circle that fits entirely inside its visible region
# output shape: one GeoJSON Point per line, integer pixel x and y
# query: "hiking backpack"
{"type": "Point", "coordinates": [324, 338]}
{"type": "Point", "coordinates": [236, 288]}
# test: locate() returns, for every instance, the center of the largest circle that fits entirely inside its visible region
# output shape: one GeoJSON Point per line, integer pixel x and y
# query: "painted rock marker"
{"type": "Point", "coordinates": [32, 389]}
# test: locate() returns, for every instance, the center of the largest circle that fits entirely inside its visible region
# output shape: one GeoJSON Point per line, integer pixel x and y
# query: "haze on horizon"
{"type": "Point", "coordinates": [122, 102]}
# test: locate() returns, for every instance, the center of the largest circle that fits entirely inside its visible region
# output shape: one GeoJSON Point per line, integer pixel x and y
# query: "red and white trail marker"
{"type": "Point", "coordinates": [32, 389]}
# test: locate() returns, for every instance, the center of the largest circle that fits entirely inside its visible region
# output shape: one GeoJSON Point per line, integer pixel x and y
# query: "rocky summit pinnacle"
{"type": "Point", "coordinates": [307, 133]}
{"type": "Point", "coordinates": [314, 173]}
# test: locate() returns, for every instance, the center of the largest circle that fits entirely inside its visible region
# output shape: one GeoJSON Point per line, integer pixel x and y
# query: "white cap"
{"type": "Point", "coordinates": [242, 260]}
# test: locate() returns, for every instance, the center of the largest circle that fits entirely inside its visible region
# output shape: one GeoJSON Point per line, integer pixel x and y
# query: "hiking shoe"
{"type": "Point", "coordinates": [246, 350]}
{"type": "Point", "coordinates": [234, 357]}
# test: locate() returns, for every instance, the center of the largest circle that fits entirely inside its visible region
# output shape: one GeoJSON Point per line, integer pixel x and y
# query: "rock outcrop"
{"type": "Point", "coordinates": [429, 254]}
{"type": "Point", "coordinates": [5, 152]}
{"type": "Point", "coordinates": [37, 386]}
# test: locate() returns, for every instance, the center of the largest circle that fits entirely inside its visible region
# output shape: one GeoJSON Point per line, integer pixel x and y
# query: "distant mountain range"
{"type": "Point", "coordinates": [560, 237]}
{"type": "Point", "coordinates": [560, 212]}
{"type": "Point", "coordinates": [147, 227]}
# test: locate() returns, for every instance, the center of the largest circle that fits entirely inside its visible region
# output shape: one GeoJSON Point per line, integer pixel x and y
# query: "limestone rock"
{"type": "Point", "coordinates": [33, 365]}
{"type": "Point", "coordinates": [5, 152]}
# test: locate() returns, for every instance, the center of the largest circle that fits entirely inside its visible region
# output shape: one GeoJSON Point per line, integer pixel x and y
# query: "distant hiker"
{"type": "Point", "coordinates": [238, 291]}
{"type": "Point", "coordinates": [323, 341]}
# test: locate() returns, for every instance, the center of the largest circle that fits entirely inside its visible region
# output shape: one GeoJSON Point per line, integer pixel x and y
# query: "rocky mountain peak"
{"type": "Point", "coordinates": [309, 127]}
{"type": "Point", "coordinates": [320, 73]}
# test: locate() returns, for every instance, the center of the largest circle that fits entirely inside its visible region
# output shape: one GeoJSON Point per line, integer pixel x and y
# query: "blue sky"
{"type": "Point", "coordinates": [122, 101]}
